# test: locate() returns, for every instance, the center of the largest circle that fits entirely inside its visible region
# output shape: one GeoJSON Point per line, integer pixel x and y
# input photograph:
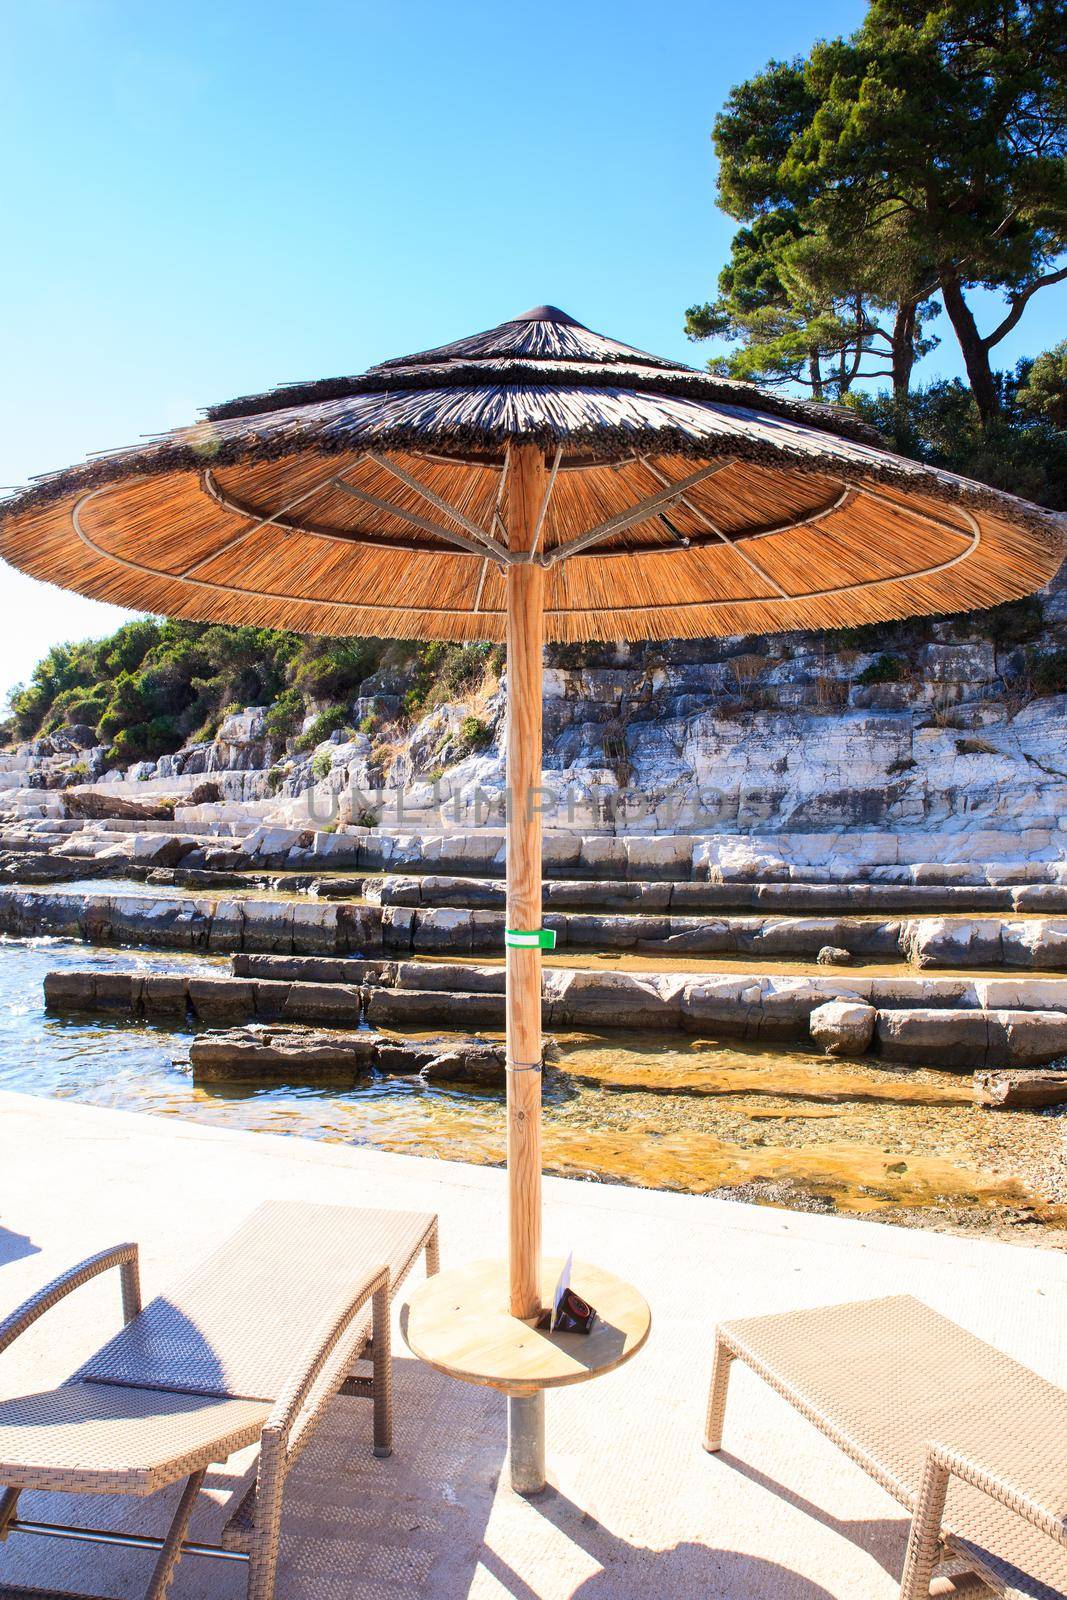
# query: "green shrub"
{"type": "Point", "coordinates": [1014, 622]}
{"type": "Point", "coordinates": [462, 668]}
{"type": "Point", "coordinates": [128, 646]}
{"type": "Point", "coordinates": [369, 724]}
{"type": "Point", "coordinates": [195, 673]}
{"type": "Point", "coordinates": [208, 731]}
{"type": "Point", "coordinates": [284, 717]}
{"type": "Point", "coordinates": [474, 734]}
{"type": "Point", "coordinates": [86, 709]}
{"type": "Point", "coordinates": [79, 705]}
{"type": "Point", "coordinates": [275, 779]}
{"type": "Point", "coordinates": [1049, 672]}
{"type": "Point", "coordinates": [445, 672]}
{"type": "Point", "coordinates": [322, 765]}
{"type": "Point", "coordinates": [325, 723]}
{"type": "Point", "coordinates": [336, 667]}
{"type": "Point", "coordinates": [886, 669]}
{"type": "Point", "coordinates": [144, 741]}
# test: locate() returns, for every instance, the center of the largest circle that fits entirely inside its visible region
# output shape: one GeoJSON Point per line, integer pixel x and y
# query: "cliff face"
{"type": "Point", "coordinates": [952, 724]}
{"type": "Point", "coordinates": [803, 746]}
{"type": "Point", "coordinates": [920, 726]}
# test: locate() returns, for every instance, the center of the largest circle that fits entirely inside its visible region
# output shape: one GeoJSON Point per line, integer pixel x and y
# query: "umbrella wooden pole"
{"type": "Point", "coordinates": [526, 482]}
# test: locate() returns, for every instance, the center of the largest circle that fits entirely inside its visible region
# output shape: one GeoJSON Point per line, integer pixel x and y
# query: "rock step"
{"type": "Point", "coordinates": [1031, 1090]}
{"type": "Point", "coordinates": [24, 867]}
{"type": "Point", "coordinates": [488, 894]}
{"type": "Point", "coordinates": [994, 856]}
{"type": "Point", "coordinates": [977, 857]}
{"type": "Point", "coordinates": [608, 895]}
{"type": "Point", "coordinates": [29, 867]}
{"type": "Point", "coordinates": [175, 998]}
{"type": "Point", "coordinates": [304, 1055]}
{"type": "Point", "coordinates": [466, 978]}
{"type": "Point", "coordinates": [324, 928]}
{"type": "Point", "coordinates": [970, 1039]}
{"type": "Point", "coordinates": [962, 1037]}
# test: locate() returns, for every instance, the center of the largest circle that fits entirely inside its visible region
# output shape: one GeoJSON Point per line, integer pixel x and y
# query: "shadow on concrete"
{"type": "Point", "coordinates": [883, 1538]}
{"type": "Point", "coordinates": [452, 1441]}
{"type": "Point", "coordinates": [13, 1246]}
{"type": "Point", "coordinates": [686, 1569]}
{"type": "Point", "coordinates": [678, 1573]}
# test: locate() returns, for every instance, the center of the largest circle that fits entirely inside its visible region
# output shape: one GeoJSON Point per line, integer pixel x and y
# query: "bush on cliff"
{"type": "Point", "coordinates": [886, 669]}
{"type": "Point", "coordinates": [327, 722]}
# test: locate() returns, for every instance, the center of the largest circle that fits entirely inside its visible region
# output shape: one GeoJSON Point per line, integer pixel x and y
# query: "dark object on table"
{"type": "Point", "coordinates": [573, 1314]}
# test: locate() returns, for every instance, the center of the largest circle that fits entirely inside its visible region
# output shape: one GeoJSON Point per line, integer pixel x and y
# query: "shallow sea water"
{"type": "Point", "coordinates": [784, 1126]}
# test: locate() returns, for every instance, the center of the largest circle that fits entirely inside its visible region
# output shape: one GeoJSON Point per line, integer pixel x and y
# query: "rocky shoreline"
{"type": "Point", "coordinates": [356, 927]}
{"type": "Point", "coordinates": [458, 998]}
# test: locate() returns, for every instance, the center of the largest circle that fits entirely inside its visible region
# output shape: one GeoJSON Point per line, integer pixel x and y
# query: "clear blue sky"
{"type": "Point", "coordinates": [204, 200]}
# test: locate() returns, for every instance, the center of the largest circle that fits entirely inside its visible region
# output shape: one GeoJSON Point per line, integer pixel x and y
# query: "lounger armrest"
{"type": "Point", "coordinates": [123, 1256]}
{"type": "Point", "coordinates": [999, 1487]}
{"type": "Point", "coordinates": [324, 1366]}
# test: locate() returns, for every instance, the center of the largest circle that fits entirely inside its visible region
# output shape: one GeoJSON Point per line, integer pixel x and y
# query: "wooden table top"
{"type": "Point", "coordinates": [458, 1322]}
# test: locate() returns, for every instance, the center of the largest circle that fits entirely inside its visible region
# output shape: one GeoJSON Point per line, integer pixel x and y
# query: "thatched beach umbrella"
{"type": "Point", "coordinates": [538, 481]}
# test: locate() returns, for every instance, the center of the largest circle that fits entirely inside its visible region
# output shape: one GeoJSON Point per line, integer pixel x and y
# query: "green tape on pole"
{"type": "Point", "coordinates": [537, 939]}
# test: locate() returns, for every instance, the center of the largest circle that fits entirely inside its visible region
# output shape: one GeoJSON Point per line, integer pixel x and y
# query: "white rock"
{"type": "Point", "coordinates": [243, 727]}
{"type": "Point", "coordinates": [842, 1028]}
{"type": "Point", "coordinates": [953, 942]}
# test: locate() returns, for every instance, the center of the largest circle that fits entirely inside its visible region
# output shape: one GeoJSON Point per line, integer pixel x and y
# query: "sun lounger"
{"type": "Point", "coordinates": [249, 1347]}
{"type": "Point", "coordinates": [973, 1444]}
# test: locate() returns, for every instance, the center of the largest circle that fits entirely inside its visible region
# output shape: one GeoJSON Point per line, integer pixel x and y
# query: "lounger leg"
{"type": "Point", "coordinates": [720, 1379]}
{"type": "Point", "coordinates": [171, 1552]}
{"type": "Point", "coordinates": [131, 1289]}
{"type": "Point", "coordinates": [270, 1484]}
{"type": "Point", "coordinates": [9, 1501]}
{"type": "Point", "coordinates": [924, 1540]}
{"type": "Point", "coordinates": [382, 1379]}
{"type": "Point", "coordinates": [433, 1254]}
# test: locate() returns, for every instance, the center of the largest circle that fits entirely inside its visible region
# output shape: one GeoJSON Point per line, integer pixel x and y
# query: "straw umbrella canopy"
{"type": "Point", "coordinates": [537, 481]}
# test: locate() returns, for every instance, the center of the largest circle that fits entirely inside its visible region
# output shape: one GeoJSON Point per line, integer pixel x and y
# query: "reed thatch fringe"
{"type": "Point", "coordinates": [164, 545]}
{"type": "Point", "coordinates": [379, 511]}
{"type": "Point", "coordinates": [681, 381]}
{"type": "Point", "coordinates": [476, 426]}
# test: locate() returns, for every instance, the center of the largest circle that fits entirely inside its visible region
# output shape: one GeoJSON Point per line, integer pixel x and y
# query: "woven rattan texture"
{"type": "Point", "coordinates": [102, 1438]}
{"type": "Point", "coordinates": [239, 1323]}
{"type": "Point", "coordinates": [885, 1378]}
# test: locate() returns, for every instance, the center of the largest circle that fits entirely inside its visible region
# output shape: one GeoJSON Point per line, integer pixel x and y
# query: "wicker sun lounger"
{"type": "Point", "coordinates": [250, 1346]}
{"type": "Point", "coordinates": [970, 1442]}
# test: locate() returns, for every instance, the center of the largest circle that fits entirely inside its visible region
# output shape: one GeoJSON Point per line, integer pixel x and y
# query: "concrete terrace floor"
{"type": "Point", "coordinates": [636, 1509]}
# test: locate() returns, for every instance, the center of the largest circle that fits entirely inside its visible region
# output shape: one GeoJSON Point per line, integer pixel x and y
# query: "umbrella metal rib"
{"type": "Point", "coordinates": [258, 524]}
{"type": "Point", "coordinates": [545, 498]}
{"type": "Point", "coordinates": [752, 565]}
{"type": "Point", "coordinates": [478, 547]}
{"type": "Point", "coordinates": [437, 501]}
{"type": "Point", "coordinates": [639, 512]}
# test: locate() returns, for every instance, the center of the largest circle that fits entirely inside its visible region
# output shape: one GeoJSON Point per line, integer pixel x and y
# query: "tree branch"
{"type": "Point", "coordinates": [1019, 303]}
